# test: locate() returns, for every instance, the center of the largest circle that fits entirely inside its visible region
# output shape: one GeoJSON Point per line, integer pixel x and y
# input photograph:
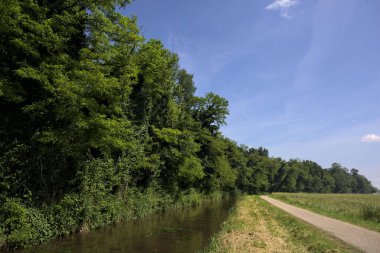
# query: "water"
{"type": "Point", "coordinates": [184, 230]}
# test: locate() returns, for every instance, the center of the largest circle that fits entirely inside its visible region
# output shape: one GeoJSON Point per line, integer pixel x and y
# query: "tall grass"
{"type": "Point", "coordinates": [359, 209]}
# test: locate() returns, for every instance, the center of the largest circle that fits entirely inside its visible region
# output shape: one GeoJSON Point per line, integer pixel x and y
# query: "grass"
{"type": "Point", "coordinates": [256, 226]}
{"type": "Point", "coordinates": [359, 209]}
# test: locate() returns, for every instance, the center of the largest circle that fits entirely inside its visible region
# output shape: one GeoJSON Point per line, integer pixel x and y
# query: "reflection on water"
{"type": "Point", "coordinates": [184, 230]}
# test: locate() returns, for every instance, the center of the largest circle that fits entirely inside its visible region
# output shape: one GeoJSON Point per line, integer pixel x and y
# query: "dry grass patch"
{"type": "Point", "coordinates": [251, 229]}
{"type": "Point", "coordinates": [255, 226]}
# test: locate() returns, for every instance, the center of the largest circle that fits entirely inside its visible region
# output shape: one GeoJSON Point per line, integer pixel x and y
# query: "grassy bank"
{"type": "Point", "coordinates": [256, 226]}
{"type": "Point", "coordinates": [23, 225]}
{"type": "Point", "coordinates": [359, 209]}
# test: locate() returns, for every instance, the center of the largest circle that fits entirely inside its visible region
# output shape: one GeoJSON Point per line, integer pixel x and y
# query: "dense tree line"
{"type": "Point", "coordinates": [98, 125]}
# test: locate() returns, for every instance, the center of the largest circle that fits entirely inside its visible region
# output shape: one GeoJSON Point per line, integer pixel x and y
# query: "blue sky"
{"type": "Point", "coordinates": [302, 76]}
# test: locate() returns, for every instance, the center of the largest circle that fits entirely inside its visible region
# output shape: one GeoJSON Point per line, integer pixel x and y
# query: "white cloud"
{"type": "Point", "coordinates": [283, 6]}
{"type": "Point", "coordinates": [371, 138]}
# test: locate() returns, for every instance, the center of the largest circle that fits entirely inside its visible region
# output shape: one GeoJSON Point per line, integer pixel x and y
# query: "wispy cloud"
{"type": "Point", "coordinates": [371, 138]}
{"type": "Point", "coordinates": [283, 6]}
{"type": "Point", "coordinates": [277, 122]}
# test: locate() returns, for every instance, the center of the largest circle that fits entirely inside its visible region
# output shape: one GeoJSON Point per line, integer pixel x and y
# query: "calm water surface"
{"type": "Point", "coordinates": [180, 231]}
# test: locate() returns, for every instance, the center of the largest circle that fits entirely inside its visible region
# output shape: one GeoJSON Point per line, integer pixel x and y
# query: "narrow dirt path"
{"type": "Point", "coordinates": [361, 238]}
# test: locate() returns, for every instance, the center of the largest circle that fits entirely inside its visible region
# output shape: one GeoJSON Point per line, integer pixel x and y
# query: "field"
{"type": "Point", "coordinates": [359, 209]}
{"type": "Point", "coordinates": [256, 226]}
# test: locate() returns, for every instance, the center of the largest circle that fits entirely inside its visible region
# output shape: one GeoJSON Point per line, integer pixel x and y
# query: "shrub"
{"type": "Point", "coordinates": [67, 215]}
{"type": "Point", "coordinates": [371, 213]}
{"type": "Point", "coordinates": [148, 201]}
{"type": "Point", "coordinates": [189, 198]}
{"type": "Point", "coordinates": [22, 225]}
{"type": "Point", "coordinates": [2, 237]}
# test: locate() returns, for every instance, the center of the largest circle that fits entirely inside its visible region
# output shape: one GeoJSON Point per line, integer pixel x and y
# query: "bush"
{"type": "Point", "coordinates": [149, 201]}
{"type": "Point", "coordinates": [189, 198]}
{"type": "Point", "coordinates": [2, 237]}
{"type": "Point", "coordinates": [371, 213]}
{"type": "Point", "coordinates": [67, 215]}
{"type": "Point", "coordinates": [103, 211]}
{"type": "Point", "coordinates": [22, 225]}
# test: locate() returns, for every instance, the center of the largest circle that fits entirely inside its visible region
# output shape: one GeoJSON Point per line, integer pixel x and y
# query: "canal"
{"type": "Point", "coordinates": [185, 230]}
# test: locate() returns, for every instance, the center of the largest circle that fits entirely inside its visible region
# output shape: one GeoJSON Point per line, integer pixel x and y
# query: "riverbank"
{"type": "Point", "coordinates": [185, 230]}
{"type": "Point", "coordinates": [22, 226]}
{"type": "Point", "coordinates": [256, 226]}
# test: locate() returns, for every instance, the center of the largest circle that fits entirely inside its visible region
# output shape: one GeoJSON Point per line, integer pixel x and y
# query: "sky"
{"type": "Point", "coordinates": [302, 77]}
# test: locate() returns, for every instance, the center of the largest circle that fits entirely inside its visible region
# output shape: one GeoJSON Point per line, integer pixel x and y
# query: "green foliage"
{"type": "Point", "coordinates": [224, 173]}
{"type": "Point", "coordinates": [152, 94]}
{"type": "Point", "coordinates": [177, 149]}
{"type": "Point", "coordinates": [185, 89]}
{"type": "Point", "coordinates": [191, 197]}
{"type": "Point", "coordinates": [191, 170]}
{"type": "Point", "coordinates": [99, 125]}
{"type": "Point", "coordinates": [22, 225]}
{"type": "Point", "coordinates": [211, 111]}
{"type": "Point", "coordinates": [2, 237]}
{"type": "Point", "coordinates": [344, 183]}
{"type": "Point", "coordinates": [371, 213]}
{"type": "Point", "coordinates": [67, 214]}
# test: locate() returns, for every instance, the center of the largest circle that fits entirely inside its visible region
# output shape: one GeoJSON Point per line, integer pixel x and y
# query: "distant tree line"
{"type": "Point", "coordinates": [98, 125]}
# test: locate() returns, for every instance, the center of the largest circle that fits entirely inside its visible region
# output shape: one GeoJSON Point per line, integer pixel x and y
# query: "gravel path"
{"type": "Point", "coordinates": [361, 238]}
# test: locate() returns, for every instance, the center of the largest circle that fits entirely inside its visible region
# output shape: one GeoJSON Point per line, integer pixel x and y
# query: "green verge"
{"type": "Point", "coordinates": [22, 226]}
{"type": "Point", "coordinates": [256, 226]}
{"type": "Point", "coordinates": [359, 209]}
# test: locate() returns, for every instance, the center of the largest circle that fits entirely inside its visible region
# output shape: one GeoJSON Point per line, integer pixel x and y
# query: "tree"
{"type": "Point", "coordinates": [328, 182]}
{"type": "Point", "coordinates": [343, 181]}
{"type": "Point", "coordinates": [362, 184]}
{"type": "Point", "coordinates": [214, 155]}
{"type": "Point", "coordinates": [185, 90]}
{"type": "Point", "coordinates": [65, 79]}
{"type": "Point", "coordinates": [180, 167]}
{"type": "Point", "coordinates": [152, 95]}
{"type": "Point", "coordinates": [211, 111]}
